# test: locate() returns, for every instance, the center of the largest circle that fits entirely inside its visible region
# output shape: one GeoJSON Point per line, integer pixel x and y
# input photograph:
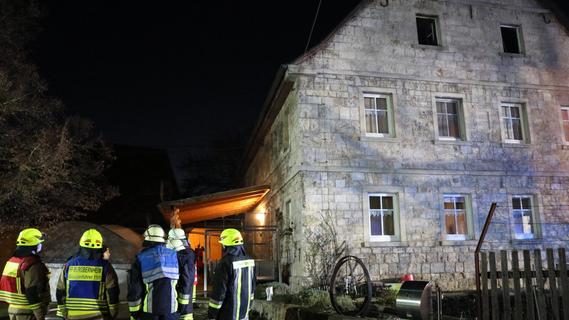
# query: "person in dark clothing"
{"type": "Point", "coordinates": [233, 281]}
{"type": "Point", "coordinates": [24, 284]}
{"type": "Point", "coordinates": [88, 286]}
{"type": "Point", "coordinates": [186, 263]}
{"type": "Point", "coordinates": [152, 279]}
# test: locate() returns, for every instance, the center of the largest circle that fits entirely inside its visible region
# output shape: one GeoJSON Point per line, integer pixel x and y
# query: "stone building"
{"type": "Point", "coordinates": [407, 122]}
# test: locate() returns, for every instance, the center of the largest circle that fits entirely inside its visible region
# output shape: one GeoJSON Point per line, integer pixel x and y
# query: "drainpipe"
{"type": "Point", "coordinates": [477, 256]}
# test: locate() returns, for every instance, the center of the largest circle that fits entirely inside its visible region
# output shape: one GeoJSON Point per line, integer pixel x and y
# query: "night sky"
{"type": "Point", "coordinates": [174, 75]}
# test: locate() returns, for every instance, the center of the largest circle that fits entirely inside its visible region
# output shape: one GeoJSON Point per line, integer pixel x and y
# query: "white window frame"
{"type": "Point", "coordinates": [390, 118]}
{"type": "Point", "coordinates": [460, 118]}
{"type": "Point", "coordinates": [396, 227]}
{"type": "Point", "coordinates": [523, 122]}
{"type": "Point", "coordinates": [519, 37]}
{"type": "Point", "coordinates": [563, 122]}
{"type": "Point", "coordinates": [533, 213]}
{"type": "Point", "coordinates": [468, 218]}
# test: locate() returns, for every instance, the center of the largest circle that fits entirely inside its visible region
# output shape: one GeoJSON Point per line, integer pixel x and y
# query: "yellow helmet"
{"type": "Point", "coordinates": [29, 237]}
{"type": "Point", "coordinates": [230, 237]}
{"type": "Point", "coordinates": [91, 239]}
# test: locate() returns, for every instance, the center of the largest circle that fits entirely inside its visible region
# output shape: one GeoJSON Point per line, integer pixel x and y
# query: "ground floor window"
{"type": "Point", "coordinates": [456, 217]}
{"type": "Point", "coordinates": [383, 217]}
{"type": "Point", "coordinates": [523, 213]}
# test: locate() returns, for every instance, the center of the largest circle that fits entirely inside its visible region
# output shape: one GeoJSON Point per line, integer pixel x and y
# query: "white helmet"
{"type": "Point", "coordinates": [154, 233]}
{"type": "Point", "coordinates": [177, 239]}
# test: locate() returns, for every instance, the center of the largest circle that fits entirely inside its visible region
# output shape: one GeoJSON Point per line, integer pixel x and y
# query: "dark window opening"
{"type": "Point", "coordinates": [427, 30]}
{"type": "Point", "coordinates": [511, 39]}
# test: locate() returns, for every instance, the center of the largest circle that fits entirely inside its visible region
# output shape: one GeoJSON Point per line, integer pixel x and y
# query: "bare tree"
{"type": "Point", "coordinates": [51, 166]}
{"type": "Point", "coordinates": [324, 248]}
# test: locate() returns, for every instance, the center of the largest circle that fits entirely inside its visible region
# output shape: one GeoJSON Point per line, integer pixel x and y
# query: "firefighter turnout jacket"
{"type": "Point", "coordinates": [24, 285]}
{"type": "Point", "coordinates": [233, 285]}
{"type": "Point", "coordinates": [152, 282]}
{"type": "Point", "coordinates": [185, 285]}
{"type": "Point", "coordinates": [88, 288]}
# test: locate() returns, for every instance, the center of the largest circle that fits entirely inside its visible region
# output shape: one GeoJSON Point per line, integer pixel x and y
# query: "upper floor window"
{"type": "Point", "coordinates": [511, 38]}
{"type": "Point", "coordinates": [378, 115]}
{"type": "Point", "coordinates": [450, 121]}
{"type": "Point", "coordinates": [427, 30]}
{"type": "Point", "coordinates": [565, 122]}
{"type": "Point", "coordinates": [457, 217]}
{"type": "Point", "coordinates": [513, 119]}
{"type": "Point", "coordinates": [383, 216]}
{"type": "Point", "coordinates": [523, 217]}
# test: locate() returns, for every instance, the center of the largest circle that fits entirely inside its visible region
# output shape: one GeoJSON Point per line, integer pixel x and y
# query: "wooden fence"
{"type": "Point", "coordinates": [526, 288]}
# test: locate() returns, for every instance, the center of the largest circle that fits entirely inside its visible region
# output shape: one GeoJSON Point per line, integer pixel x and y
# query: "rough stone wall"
{"type": "Point", "coordinates": [376, 51]}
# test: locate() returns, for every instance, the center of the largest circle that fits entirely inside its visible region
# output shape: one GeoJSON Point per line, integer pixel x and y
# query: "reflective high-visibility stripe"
{"type": "Point", "coordinates": [189, 316]}
{"type": "Point", "coordinates": [249, 287]}
{"type": "Point", "coordinates": [238, 306]}
{"type": "Point", "coordinates": [147, 298]}
{"type": "Point", "coordinates": [159, 273]}
{"type": "Point", "coordinates": [134, 306]}
{"type": "Point", "coordinates": [183, 298]}
{"type": "Point", "coordinates": [214, 304]}
{"type": "Point", "coordinates": [11, 269]}
{"type": "Point", "coordinates": [174, 301]}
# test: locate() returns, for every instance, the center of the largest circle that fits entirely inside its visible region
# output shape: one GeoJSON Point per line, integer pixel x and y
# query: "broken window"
{"type": "Point", "coordinates": [427, 30]}
{"type": "Point", "coordinates": [511, 38]}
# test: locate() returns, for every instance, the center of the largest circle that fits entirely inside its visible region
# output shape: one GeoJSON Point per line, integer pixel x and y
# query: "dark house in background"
{"type": "Point", "coordinates": [144, 177]}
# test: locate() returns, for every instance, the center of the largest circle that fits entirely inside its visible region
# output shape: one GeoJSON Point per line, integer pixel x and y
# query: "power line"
{"type": "Point", "coordinates": [313, 24]}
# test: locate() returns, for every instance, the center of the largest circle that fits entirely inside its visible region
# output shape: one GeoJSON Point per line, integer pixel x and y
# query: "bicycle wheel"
{"type": "Point", "coordinates": [350, 287]}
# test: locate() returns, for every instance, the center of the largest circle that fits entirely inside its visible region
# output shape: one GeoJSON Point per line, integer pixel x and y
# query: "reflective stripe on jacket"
{"type": "Point", "coordinates": [12, 284]}
{"type": "Point", "coordinates": [233, 286]}
{"type": "Point", "coordinates": [156, 297]}
{"type": "Point", "coordinates": [85, 288]}
{"type": "Point", "coordinates": [158, 262]}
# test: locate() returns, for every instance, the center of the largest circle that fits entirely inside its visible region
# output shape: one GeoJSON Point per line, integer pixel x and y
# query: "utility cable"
{"type": "Point", "coordinates": [313, 24]}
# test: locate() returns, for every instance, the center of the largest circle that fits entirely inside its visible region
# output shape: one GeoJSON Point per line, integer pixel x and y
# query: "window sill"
{"type": "Point", "coordinates": [380, 139]}
{"type": "Point", "coordinates": [512, 55]}
{"type": "Point", "coordinates": [565, 146]}
{"type": "Point", "coordinates": [428, 47]}
{"type": "Point", "coordinates": [535, 240]}
{"type": "Point", "coordinates": [467, 242]}
{"type": "Point", "coordinates": [394, 243]}
{"type": "Point", "coordinates": [452, 142]}
{"type": "Point", "coordinates": [515, 145]}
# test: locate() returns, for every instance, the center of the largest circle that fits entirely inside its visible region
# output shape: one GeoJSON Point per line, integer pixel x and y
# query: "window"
{"type": "Point", "coordinates": [565, 122]}
{"type": "Point", "coordinates": [513, 120]}
{"type": "Point", "coordinates": [449, 119]}
{"type": "Point", "coordinates": [427, 30]}
{"type": "Point", "coordinates": [511, 38]}
{"type": "Point", "coordinates": [383, 217]}
{"type": "Point", "coordinates": [378, 115]}
{"type": "Point", "coordinates": [456, 217]}
{"type": "Point", "coordinates": [523, 218]}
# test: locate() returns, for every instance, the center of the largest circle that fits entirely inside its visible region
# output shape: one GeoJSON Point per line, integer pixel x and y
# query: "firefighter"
{"type": "Point", "coordinates": [152, 279]}
{"type": "Point", "coordinates": [233, 280]}
{"type": "Point", "coordinates": [25, 280]}
{"type": "Point", "coordinates": [88, 286]}
{"type": "Point", "coordinates": [186, 263]}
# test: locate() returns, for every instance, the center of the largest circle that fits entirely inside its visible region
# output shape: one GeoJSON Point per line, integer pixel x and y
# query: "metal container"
{"type": "Point", "coordinates": [414, 300]}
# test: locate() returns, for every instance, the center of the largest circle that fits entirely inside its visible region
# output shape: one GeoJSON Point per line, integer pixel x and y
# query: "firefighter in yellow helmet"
{"type": "Point", "coordinates": [233, 280]}
{"type": "Point", "coordinates": [88, 287]}
{"type": "Point", "coordinates": [25, 284]}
